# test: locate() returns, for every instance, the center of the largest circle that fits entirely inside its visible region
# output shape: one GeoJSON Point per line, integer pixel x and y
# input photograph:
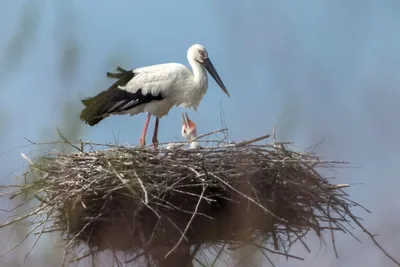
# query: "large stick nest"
{"type": "Point", "coordinates": [136, 200]}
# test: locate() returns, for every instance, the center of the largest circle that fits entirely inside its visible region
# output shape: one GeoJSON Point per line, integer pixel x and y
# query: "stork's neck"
{"type": "Point", "coordinates": [199, 74]}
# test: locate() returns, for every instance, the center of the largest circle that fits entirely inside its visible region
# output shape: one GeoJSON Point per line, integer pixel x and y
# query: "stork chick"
{"type": "Point", "coordinates": [189, 131]}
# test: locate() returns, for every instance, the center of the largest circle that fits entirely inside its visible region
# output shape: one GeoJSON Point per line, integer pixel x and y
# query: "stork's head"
{"type": "Point", "coordinates": [188, 128]}
{"type": "Point", "coordinates": [199, 54]}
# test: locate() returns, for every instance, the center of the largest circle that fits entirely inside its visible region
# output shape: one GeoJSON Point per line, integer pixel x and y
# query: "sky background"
{"type": "Point", "coordinates": [317, 70]}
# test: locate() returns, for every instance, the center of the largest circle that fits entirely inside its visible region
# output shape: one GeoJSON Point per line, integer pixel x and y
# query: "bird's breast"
{"type": "Point", "coordinates": [159, 108]}
{"type": "Point", "coordinates": [191, 97]}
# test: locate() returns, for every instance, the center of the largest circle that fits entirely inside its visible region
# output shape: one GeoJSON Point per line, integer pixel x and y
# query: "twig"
{"type": "Point", "coordinates": [338, 186]}
{"type": "Point", "coordinates": [146, 200]}
{"type": "Point", "coordinates": [218, 255]}
{"type": "Point", "coordinates": [188, 224]}
{"type": "Point", "coordinates": [247, 197]}
{"type": "Point", "coordinates": [245, 143]}
{"type": "Point", "coordinates": [23, 239]}
{"type": "Point", "coordinates": [38, 237]}
{"type": "Point", "coordinates": [68, 142]}
{"type": "Point", "coordinates": [366, 231]}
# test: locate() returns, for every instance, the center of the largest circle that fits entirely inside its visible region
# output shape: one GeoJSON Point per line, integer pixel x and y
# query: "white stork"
{"type": "Point", "coordinates": [153, 89]}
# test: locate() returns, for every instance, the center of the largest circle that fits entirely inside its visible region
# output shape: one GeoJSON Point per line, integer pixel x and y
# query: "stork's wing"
{"type": "Point", "coordinates": [156, 79]}
{"type": "Point", "coordinates": [133, 88]}
{"type": "Point", "coordinates": [114, 101]}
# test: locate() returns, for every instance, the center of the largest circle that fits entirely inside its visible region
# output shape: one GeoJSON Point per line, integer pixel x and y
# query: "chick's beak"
{"type": "Point", "coordinates": [184, 123]}
{"type": "Point", "coordinates": [191, 125]}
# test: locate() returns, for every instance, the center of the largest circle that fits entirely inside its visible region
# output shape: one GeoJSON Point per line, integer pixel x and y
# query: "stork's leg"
{"type": "Point", "coordinates": [142, 141]}
{"type": "Point", "coordinates": [155, 140]}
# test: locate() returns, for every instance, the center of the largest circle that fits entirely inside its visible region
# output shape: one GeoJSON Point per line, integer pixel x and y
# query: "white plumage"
{"type": "Point", "coordinates": [155, 90]}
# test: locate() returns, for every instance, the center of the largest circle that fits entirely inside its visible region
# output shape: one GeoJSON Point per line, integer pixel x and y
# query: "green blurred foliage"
{"type": "Point", "coordinates": [70, 51]}
{"type": "Point", "coordinates": [67, 99]}
{"type": "Point", "coordinates": [66, 26]}
{"type": "Point", "coordinates": [68, 104]}
{"type": "Point", "coordinates": [23, 37]}
{"type": "Point", "coordinates": [69, 59]}
{"type": "Point", "coordinates": [120, 57]}
{"type": "Point", "coordinates": [13, 56]}
{"type": "Point", "coordinates": [70, 125]}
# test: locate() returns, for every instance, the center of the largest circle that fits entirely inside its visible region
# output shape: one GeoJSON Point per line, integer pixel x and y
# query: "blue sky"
{"type": "Point", "coordinates": [318, 70]}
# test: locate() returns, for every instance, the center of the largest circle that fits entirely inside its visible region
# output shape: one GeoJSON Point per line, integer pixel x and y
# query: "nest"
{"type": "Point", "coordinates": [166, 205]}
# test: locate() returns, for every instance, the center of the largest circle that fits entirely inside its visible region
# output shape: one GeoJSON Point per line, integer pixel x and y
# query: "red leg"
{"type": "Point", "coordinates": [155, 140]}
{"type": "Point", "coordinates": [142, 141]}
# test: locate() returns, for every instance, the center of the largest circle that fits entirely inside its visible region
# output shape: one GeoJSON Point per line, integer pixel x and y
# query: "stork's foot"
{"type": "Point", "coordinates": [142, 141]}
{"type": "Point", "coordinates": [155, 143]}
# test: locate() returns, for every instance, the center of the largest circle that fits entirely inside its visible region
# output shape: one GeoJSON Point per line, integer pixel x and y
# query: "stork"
{"type": "Point", "coordinates": [155, 90]}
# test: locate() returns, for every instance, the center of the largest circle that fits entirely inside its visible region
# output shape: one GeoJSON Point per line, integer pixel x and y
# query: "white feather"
{"type": "Point", "coordinates": [176, 83]}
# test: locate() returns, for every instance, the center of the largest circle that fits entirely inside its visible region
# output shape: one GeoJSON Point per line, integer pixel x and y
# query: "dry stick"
{"type": "Point", "coordinates": [365, 230]}
{"type": "Point", "coordinates": [199, 262]}
{"type": "Point", "coordinates": [37, 239]}
{"type": "Point", "coordinates": [218, 255]}
{"type": "Point", "coordinates": [64, 257]}
{"type": "Point", "coordinates": [207, 134]}
{"type": "Point", "coordinates": [146, 199]}
{"type": "Point", "coordinates": [277, 252]}
{"type": "Point", "coordinates": [142, 240]}
{"type": "Point", "coordinates": [181, 144]}
{"type": "Point", "coordinates": [176, 227]}
{"type": "Point", "coordinates": [338, 186]}
{"type": "Point", "coordinates": [247, 197]}
{"type": "Point", "coordinates": [172, 207]}
{"type": "Point", "coordinates": [266, 256]}
{"type": "Point", "coordinates": [83, 229]}
{"type": "Point", "coordinates": [274, 135]}
{"type": "Point", "coordinates": [299, 237]}
{"type": "Point", "coordinates": [195, 250]}
{"type": "Point", "coordinates": [119, 263]}
{"type": "Point", "coordinates": [188, 224]}
{"type": "Point", "coordinates": [23, 239]}
{"type": "Point", "coordinates": [136, 257]}
{"type": "Point", "coordinates": [332, 234]}
{"type": "Point", "coordinates": [146, 246]}
{"type": "Point", "coordinates": [253, 140]}
{"type": "Point", "coordinates": [22, 217]}
{"type": "Point", "coordinates": [66, 141]}
{"type": "Point", "coordinates": [245, 257]}
{"type": "Point", "coordinates": [82, 257]}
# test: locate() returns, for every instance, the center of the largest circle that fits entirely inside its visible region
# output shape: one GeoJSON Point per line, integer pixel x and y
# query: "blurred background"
{"type": "Point", "coordinates": [317, 70]}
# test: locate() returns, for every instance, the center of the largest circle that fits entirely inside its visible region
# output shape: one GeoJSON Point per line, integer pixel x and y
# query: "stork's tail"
{"type": "Point", "coordinates": [122, 76]}
{"type": "Point", "coordinates": [94, 110]}
{"type": "Point", "coordinates": [122, 73]}
{"type": "Point", "coordinates": [90, 114]}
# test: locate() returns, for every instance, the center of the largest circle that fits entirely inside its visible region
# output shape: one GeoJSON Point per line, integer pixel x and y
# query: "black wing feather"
{"type": "Point", "coordinates": [124, 76]}
{"type": "Point", "coordinates": [114, 100]}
